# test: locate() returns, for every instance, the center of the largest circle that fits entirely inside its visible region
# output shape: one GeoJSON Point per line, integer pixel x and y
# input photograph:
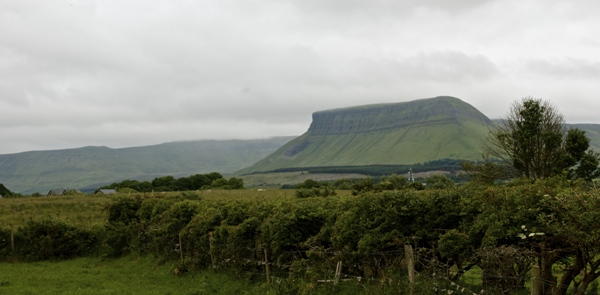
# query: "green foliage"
{"type": "Point", "coordinates": [392, 182]}
{"type": "Point", "coordinates": [169, 183]}
{"type": "Point", "coordinates": [4, 192]}
{"type": "Point", "coordinates": [235, 183]}
{"type": "Point", "coordinates": [53, 239]}
{"type": "Point", "coordinates": [124, 210]}
{"type": "Point", "coordinates": [324, 191]}
{"type": "Point", "coordinates": [533, 142]}
{"type": "Point", "coordinates": [553, 221]}
{"type": "Point", "coordinates": [416, 185]}
{"type": "Point", "coordinates": [439, 181]}
{"type": "Point", "coordinates": [363, 185]}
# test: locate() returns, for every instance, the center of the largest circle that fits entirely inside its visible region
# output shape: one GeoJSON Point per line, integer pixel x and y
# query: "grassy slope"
{"type": "Point", "coordinates": [438, 136]}
{"type": "Point", "coordinates": [94, 166]}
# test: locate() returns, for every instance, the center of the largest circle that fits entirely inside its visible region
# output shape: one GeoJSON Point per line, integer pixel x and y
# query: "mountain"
{"type": "Point", "coordinates": [91, 167]}
{"type": "Point", "coordinates": [385, 134]}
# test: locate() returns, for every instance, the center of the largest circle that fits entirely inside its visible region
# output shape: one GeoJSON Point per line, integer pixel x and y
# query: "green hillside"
{"type": "Point", "coordinates": [385, 134]}
{"type": "Point", "coordinates": [91, 167]}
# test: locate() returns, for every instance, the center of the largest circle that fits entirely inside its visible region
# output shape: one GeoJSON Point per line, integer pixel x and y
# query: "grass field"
{"type": "Point", "coordinates": [84, 210]}
{"type": "Point", "coordinates": [90, 210]}
{"type": "Point", "coordinates": [115, 276]}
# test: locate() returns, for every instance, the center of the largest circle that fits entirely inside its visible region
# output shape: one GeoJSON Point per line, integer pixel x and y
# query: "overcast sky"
{"type": "Point", "coordinates": [131, 73]}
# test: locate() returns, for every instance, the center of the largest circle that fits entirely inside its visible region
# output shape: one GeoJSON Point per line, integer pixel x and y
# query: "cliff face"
{"type": "Point", "coordinates": [382, 117]}
{"type": "Point", "coordinates": [399, 133]}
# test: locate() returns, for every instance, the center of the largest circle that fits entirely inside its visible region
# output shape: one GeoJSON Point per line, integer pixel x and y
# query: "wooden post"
{"type": "Point", "coordinates": [210, 249]}
{"type": "Point", "coordinates": [12, 239]}
{"type": "Point", "coordinates": [410, 263]}
{"type": "Point", "coordinates": [180, 248]}
{"type": "Point", "coordinates": [535, 281]}
{"type": "Point", "coordinates": [338, 273]}
{"type": "Point", "coordinates": [267, 268]}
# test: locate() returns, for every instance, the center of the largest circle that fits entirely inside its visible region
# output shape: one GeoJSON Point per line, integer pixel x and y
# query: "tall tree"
{"type": "Point", "coordinates": [533, 143]}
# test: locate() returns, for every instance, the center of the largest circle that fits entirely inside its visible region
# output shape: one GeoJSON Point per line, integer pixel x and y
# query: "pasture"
{"type": "Point", "coordinates": [89, 210]}
{"type": "Point", "coordinates": [128, 275]}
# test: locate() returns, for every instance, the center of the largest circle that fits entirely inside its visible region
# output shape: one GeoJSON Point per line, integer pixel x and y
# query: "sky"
{"type": "Point", "coordinates": [132, 73]}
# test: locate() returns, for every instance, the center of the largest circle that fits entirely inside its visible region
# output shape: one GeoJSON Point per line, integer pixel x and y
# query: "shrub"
{"type": "Point", "coordinates": [53, 239]}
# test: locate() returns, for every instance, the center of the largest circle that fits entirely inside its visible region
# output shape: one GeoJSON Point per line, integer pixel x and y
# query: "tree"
{"type": "Point", "coordinates": [4, 191]}
{"type": "Point", "coordinates": [236, 183]}
{"type": "Point", "coordinates": [163, 182]}
{"type": "Point", "coordinates": [583, 162]}
{"type": "Point", "coordinates": [533, 143]}
{"type": "Point", "coordinates": [439, 181]}
{"type": "Point", "coordinates": [392, 182]}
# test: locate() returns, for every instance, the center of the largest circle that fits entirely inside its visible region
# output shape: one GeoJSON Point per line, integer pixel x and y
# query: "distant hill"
{"type": "Point", "coordinates": [91, 167]}
{"type": "Point", "coordinates": [385, 134]}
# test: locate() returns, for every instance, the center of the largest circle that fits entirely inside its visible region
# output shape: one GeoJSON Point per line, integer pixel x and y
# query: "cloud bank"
{"type": "Point", "coordinates": [83, 72]}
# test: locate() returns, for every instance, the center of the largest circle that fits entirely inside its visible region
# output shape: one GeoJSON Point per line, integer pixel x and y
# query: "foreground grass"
{"type": "Point", "coordinates": [147, 275]}
{"type": "Point", "coordinates": [112, 276]}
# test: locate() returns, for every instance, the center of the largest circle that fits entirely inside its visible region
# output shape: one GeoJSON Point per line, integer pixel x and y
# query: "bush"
{"type": "Point", "coordinates": [315, 192]}
{"type": "Point", "coordinates": [52, 239]}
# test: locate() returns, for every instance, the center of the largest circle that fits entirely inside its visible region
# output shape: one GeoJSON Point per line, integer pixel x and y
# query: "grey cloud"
{"type": "Point", "coordinates": [565, 68]}
{"type": "Point", "coordinates": [127, 71]}
{"type": "Point", "coordinates": [428, 67]}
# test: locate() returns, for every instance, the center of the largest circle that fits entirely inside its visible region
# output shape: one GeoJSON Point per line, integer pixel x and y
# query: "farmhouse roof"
{"type": "Point", "coordinates": [56, 192]}
{"type": "Point", "coordinates": [107, 191]}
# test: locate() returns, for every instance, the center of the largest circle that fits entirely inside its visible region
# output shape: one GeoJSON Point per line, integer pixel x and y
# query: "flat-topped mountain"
{"type": "Point", "coordinates": [385, 134]}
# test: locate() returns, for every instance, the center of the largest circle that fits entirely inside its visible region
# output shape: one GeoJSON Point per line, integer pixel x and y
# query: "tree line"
{"type": "Point", "coordinates": [170, 183]}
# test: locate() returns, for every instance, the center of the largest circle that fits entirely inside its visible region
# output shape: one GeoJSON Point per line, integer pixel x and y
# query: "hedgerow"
{"type": "Point", "coordinates": [459, 227]}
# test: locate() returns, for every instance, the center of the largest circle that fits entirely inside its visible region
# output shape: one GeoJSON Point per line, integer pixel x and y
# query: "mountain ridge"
{"type": "Point", "coordinates": [93, 166]}
{"type": "Point", "coordinates": [402, 133]}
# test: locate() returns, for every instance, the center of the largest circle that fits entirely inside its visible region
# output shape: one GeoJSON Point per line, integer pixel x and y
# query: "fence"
{"type": "Point", "coordinates": [420, 265]}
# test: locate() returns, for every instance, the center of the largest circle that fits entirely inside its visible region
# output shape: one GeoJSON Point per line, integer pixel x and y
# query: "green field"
{"type": "Point", "coordinates": [89, 210]}
{"type": "Point", "coordinates": [127, 275]}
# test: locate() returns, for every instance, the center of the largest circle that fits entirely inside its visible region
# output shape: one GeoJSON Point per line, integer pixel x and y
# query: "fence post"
{"type": "Point", "coordinates": [267, 268]}
{"type": "Point", "coordinates": [535, 281]}
{"type": "Point", "coordinates": [338, 273]}
{"type": "Point", "coordinates": [210, 249]}
{"type": "Point", "coordinates": [180, 248]}
{"type": "Point", "coordinates": [12, 240]}
{"type": "Point", "coordinates": [410, 263]}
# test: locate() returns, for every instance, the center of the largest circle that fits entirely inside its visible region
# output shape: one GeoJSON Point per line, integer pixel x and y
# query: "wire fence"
{"type": "Point", "coordinates": [431, 274]}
